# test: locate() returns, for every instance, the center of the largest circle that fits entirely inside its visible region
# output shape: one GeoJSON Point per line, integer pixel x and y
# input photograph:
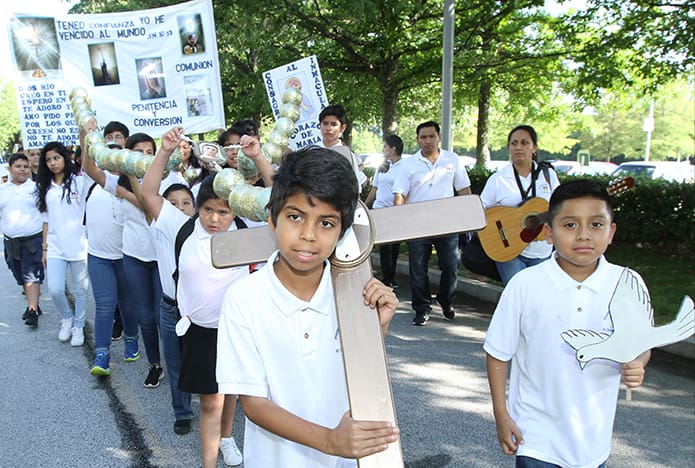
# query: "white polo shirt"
{"type": "Point", "coordinates": [138, 240]}
{"type": "Point", "coordinates": [501, 190]}
{"type": "Point", "coordinates": [564, 413]}
{"type": "Point", "coordinates": [420, 180]}
{"type": "Point", "coordinates": [19, 216]}
{"type": "Point", "coordinates": [274, 345]}
{"type": "Point", "coordinates": [166, 262]}
{"type": "Point", "coordinates": [201, 286]}
{"type": "Point", "coordinates": [383, 181]}
{"type": "Point", "coordinates": [104, 218]}
{"type": "Point", "coordinates": [67, 236]}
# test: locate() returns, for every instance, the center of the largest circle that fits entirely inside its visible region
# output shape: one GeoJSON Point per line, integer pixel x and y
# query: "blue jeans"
{"type": "Point", "coordinates": [146, 291]}
{"type": "Point", "coordinates": [56, 271]}
{"type": "Point", "coordinates": [110, 288]}
{"type": "Point", "coordinates": [171, 345]}
{"type": "Point", "coordinates": [514, 266]}
{"type": "Point", "coordinates": [419, 253]}
{"type": "Point", "coordinates": [528, 462]}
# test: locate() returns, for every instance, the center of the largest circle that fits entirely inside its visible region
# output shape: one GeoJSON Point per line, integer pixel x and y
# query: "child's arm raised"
{"type": "Point", "coordinates": [252, 148]}
{"type": "Point", "coordinates": [378, 295]}
{"type": "Point", "coordinates": [149, 191]}
{"type": "Point", "coordinates": [350, 439]}
{"type": "Point", "coordinates": [508, 433]}
{"type": "Point", "coordinates": [88, 164]}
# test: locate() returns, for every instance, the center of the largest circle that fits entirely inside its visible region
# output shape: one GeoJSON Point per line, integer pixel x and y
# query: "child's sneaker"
{"type": "Point", "coordinates": [77, 336]}
{"type": "Point", "coordinates": [65, 329]}
{"type": "Point", "coordinates": [32, 319]}
{"type": "Point", "coordinates": [230, 453]}
{"type": "Point", "coordinates": [101, 364]}
{"type": "Point", "coordinates": [155, 374]}
{"type": "Point", "coordinates": [132, 351]}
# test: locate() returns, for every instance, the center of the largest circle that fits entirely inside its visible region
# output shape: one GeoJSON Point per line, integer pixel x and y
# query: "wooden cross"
{"type": "Point", "coordinates": [364, 355]}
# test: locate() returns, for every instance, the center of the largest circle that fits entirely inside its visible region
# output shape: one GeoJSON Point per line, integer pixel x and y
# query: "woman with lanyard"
{"type": "Point", "coordinates": [516, 183]}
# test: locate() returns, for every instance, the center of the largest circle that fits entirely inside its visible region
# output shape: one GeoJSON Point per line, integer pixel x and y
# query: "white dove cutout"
{"type": "Point", "coordinates": [633, 326]}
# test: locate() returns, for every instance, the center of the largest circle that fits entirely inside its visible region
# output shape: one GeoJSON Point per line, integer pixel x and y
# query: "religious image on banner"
{"type": "Point", "coordinates": [197, 89]}
{"type": "Point", "coordinates": [151, 78]}
{"type": "Point", "coordinates": [305, 76]}
{"type": "Point", "coordinates": [191, 34]}
{"type": "Point", "coordinates": [306, 108]}
{"type": "Point", "coordinates": [150, 69]}
{"type": "Point", "coordinates": [104, 65]}
{"type": "Point", "coordinates": [35, 47]}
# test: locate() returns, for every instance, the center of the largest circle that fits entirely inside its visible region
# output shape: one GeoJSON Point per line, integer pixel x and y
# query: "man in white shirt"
{"type": "Point", "coordinates": [430, 174]}
{"type": "Point", "coordinates": [22, 226]}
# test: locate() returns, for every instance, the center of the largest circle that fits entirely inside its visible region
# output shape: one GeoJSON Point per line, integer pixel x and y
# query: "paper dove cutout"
{"type": "Point", "coordinates": [633, 330]}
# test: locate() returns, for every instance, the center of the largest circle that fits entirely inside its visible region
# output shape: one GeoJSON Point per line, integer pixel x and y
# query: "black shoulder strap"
{"type": "Point", "coordinates": [545, 166]}
{"type": "Point", "coordinates": [89, 194]}
{"type": "Point", "coordinates": [184, 233]}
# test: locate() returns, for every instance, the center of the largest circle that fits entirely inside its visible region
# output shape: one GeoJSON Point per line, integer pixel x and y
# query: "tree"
{"type": "Point", "coordinates": [9, 118]}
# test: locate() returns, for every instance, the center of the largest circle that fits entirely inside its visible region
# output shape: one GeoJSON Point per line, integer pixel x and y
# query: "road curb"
{"type": "Point", "coordinates": [490, 292]}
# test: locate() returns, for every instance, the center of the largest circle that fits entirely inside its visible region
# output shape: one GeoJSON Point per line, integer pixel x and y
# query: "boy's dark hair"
{"type": "Point", "coordinates": [17, 156]}
{"type": "Point", "coordinates": [206, 191]}
{"type": "Point", "coordinates": [580, 188]}
{"type": "Point", "coordinates": [339, 113]}
{"type": "Point", "coordinates": [176, 188]}
{"type": "Point", "coordinates": [115, 126]}
{"type": "Point", "coordinates": [429, 123]}
{"type": "Point", "coordinates": [140, 137]}
{"type": "Point", "coordinates": [395, 142]}
{"type": "Point", "coordinates": [245, 126]}
{"type": "Point", "coordinates": [318, 173]}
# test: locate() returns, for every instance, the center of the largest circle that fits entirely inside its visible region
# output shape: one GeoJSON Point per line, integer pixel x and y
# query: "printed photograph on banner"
{"type": "Point", "coordinates": [197, 88]}
{"type": "Point", "coordinates": [306, 109]}
{"type": "Point", "coordinates": [191, 34]}
{"type": "Point", "coordinates": [104, 65]}
{"type": "Point", "coordinates": [35, 47]}
{"type": "Point", "coordinates": [151, 78]}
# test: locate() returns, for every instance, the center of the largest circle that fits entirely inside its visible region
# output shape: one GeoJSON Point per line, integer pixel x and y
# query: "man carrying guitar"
{"type": "Point", "coordinates": [512, 186]}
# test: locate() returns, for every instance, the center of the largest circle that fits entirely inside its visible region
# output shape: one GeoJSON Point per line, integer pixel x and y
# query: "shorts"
{"type": "Point", "coordinates": [198, 361]}
{"type": "Point", "coordinates": [23, 258]}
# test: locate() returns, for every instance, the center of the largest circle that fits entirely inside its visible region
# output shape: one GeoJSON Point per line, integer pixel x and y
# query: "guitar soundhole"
{"type": "Point", "coordinates": [531, 221]}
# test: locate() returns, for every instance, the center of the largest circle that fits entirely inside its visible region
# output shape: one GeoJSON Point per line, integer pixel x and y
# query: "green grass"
{"type": "Point", "coordinates": [669, 276]}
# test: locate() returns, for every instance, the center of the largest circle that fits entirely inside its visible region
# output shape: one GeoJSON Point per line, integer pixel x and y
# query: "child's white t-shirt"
{"type": "Point", "coordinates": [564, 413]}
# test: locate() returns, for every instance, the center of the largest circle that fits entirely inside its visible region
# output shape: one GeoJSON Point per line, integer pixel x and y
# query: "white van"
{"type": "Point", "coordinates": [667, 170]}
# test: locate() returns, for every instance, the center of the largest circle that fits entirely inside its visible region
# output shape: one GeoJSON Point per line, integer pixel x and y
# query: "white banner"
{"type": "Point", "coordinates": [149, 69]}
{"type": "Point", "coordinates": [304, 74]}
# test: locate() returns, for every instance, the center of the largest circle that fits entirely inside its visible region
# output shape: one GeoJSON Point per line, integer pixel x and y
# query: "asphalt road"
{"type": "Point", "coordinates": [54, 414]}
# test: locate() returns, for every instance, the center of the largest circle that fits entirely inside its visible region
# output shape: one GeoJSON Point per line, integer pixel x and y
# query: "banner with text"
{"type": "Point", "coordinates": [150, 69]}
{"type": "Point", "coordinates": [304, 74]}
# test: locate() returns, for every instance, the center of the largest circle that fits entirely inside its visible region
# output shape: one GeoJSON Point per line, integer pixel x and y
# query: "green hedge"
{"type": "Point", "coordinates": [654, 213]}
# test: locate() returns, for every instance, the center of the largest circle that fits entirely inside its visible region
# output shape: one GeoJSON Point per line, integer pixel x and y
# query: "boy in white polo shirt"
{"type": "Point", "coordinates": [278, 342]}
{"type": "Point", "coordinates": [22, 225]}
{"type": "Point", "coordinates": [558, 413]}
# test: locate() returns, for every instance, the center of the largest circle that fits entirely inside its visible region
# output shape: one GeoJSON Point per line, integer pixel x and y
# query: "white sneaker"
{"type": "Point", "coordinates": [230, 453]}
{"type": "Point", "coordinates": [77, 336]}
{"type": "Point", "coordinates": [65, 326]}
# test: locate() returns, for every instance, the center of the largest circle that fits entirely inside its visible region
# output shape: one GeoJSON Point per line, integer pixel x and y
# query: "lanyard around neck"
{"type": "Point", "coordinates": [531, 188]}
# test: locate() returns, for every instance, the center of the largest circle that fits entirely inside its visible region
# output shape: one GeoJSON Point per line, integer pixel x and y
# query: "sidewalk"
{"type": "Point", "coordinates": [490, 292]}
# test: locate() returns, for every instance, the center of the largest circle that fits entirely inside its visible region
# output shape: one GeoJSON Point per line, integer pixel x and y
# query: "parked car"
{"type": "Point", "coordinates": [667, 170]}
{"type": "Point", "coordinates": [574, 168]}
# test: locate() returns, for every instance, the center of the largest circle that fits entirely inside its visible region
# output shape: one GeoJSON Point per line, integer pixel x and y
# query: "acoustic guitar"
{"type": "Point", "coordinates": [510, 229]}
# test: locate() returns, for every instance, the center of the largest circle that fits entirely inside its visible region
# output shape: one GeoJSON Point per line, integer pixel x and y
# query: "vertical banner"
{"type": "Point", "coordinates": [304, 74]}
{"type": "Point", "coordinates": [150, 69]}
